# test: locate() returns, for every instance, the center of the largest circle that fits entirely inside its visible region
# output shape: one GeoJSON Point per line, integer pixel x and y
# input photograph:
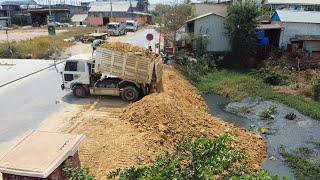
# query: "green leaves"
{"type": "Point", "coordinates": [77, 173]}
{"type": "Point", "coordinates": [198, 158]}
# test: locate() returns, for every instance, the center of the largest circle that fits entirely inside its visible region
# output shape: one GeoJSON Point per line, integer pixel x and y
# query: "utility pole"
{"type": "Point", "coordinates": [51, 20]}
{"type": "Point", "coordinates": [111, 9]}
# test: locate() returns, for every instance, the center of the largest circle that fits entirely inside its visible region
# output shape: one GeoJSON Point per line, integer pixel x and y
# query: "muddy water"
{"type": "Point", "coordinates": [282, 132]}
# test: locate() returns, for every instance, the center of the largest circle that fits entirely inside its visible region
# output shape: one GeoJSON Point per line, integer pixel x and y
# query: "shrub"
{"type": "Point", "coordinates": [316, 88]}
{"type": "Point", "coordinates": [198, 158]}
{"type": "Point", "coordinates": [268, 114]}
{"type": "Point", "coordinates": [77, 173]}
{"type": "Point", "coordinates": [269, 76]}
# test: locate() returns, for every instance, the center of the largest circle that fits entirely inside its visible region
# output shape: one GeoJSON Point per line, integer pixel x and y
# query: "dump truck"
{"type": "Point", "coordinates": [113, 73]}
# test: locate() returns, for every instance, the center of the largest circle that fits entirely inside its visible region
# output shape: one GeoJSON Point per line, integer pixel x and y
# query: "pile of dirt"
{"type": "Point", "coordinates": [128, 48]}
{"type": "Point", "coordinates": [180, 112]}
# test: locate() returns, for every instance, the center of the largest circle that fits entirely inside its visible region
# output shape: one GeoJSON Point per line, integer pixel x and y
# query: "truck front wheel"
{"type": "Point", "coordinates": [79, 91]}
{"type": "Point", "coordinates": [130, 94]}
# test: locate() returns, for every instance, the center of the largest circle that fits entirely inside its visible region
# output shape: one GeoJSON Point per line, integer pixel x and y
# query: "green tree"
{"type": "Point", "coordinates": [241, 24]}
{"type": "Point", "coordinates": [170, 18]}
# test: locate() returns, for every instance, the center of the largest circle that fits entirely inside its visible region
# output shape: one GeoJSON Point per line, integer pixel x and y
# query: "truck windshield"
{"type": "Point", "coordinates": [112, 26]}
{"type": "Point", "coordinates": [71, 66]}
{"type": "Point", "coordinates": [129, 24]}
{"type": "Point", "coordinates": [75, 66]}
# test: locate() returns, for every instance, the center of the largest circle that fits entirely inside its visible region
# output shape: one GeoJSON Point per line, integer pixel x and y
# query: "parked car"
{"type": "Point", "coordinates": [116, 29]}
{"type": "Point", "coordinates": [131, 25]}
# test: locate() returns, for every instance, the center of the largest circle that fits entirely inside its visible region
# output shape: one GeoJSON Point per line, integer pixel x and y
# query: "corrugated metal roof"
{"type": "Point", "coordinates": [79, 17]}
{"type": "Point", "coordinates": [299, 16]}
{"type": "Point", "coordinates": [298, 2]}
{"type": "Point", "coordinates": [19, 2]}
{"type": "Point", "coordinates": [117, 6]}
{"type": "Point", "coordinates": [205, 15]}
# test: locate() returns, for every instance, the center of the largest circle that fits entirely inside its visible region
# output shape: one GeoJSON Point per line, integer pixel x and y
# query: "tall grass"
{"type": "Point", "coordinates": [40, 47]}
{"type": "Point", "coordinates": [237, 86]}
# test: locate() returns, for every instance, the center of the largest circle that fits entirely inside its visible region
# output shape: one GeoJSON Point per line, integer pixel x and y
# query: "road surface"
{"type": "Point", "coordinates": [28, 102]}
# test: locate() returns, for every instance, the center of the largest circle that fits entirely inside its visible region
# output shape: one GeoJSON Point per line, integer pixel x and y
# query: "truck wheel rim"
{"type": "Point", "coordinates": [129, 95]}
{"type": "Point", "coordinates": [79, 92]}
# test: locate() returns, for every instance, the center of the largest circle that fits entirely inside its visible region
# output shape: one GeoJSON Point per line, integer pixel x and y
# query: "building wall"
{"type": "Point", "coordinates": [213, 26]}
{"type": "Point", "coordinates": [311, 46]}
{"type": "Point", "coordinates": [204, 8]}
{"type": "Point", "coordinates": [292, 29]}
{"type": "Point", "coordinates": [95, 21]}
{"type": "Point", "coordinates": [98, 21]}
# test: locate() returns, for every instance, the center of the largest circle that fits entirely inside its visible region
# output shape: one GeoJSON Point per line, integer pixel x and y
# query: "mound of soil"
{"type": "Point", "coordinates": [128, 48]}
{"type": "Point", "coordinates": [180, 112]}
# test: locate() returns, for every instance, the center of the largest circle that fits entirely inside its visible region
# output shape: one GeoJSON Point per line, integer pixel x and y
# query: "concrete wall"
{"type": "Point", "coordinates": [213, 26]}
{"type": "Point", "coordinates": [311, 46]}
{"type": "Point", "coordinates": [292, 29]}
{"type": "Point", "coordinates": [98, 21]}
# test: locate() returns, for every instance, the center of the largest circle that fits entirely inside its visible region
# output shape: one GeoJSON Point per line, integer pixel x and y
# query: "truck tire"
{"type": "Point", "coordinates": [130, 94]}
{"type": "Point", "coordinates": [79, 92]}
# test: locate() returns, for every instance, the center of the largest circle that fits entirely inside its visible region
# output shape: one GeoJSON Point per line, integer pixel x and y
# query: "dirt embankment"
{"type": "Point", "coordinates": [180, 112]}
{"type": "Point", "coordinates": [120, 136]}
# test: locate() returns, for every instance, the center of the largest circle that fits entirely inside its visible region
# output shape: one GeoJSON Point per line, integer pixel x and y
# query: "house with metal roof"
{"type": "Point", "coordinates": [211, 27]}
{"type": "Point", "coordinates": [298, 23]}
{"type": "Point", "coordinates": [102, 12]}
{"type": "Point", "coordinates": [310, 5]}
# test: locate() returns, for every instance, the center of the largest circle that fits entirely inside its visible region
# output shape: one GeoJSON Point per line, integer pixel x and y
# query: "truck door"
{"type": "Point", "coordinates": [75, 72]}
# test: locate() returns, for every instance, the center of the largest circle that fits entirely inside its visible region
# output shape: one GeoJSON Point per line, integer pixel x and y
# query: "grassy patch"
{"type": "Point", "coordinates": [303, 169]}
{"type": "Point", "coordinates": [194, 159]}
{"type": "Point", "coordinates": [268, 114]}
{"type": "Point", "coordinates": [40, 47]}
{"type": "Point", "coordinates": [239, 85]}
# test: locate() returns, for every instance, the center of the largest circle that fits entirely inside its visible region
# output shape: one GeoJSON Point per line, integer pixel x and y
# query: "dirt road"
{"type": "Point", "coordinates": [24, 34]}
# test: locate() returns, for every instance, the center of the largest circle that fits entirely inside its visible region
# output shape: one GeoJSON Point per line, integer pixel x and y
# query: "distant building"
{"type": "Point", "coordinates": [39, 15]}
{"type": "Point", "coordinates": [101, 13]}
{"type": "Point", "coordinates": [309, 5]}
{"type": "Point", "coordinates": [18, 11]}
{"type": "Point", "coordinates": [205, 8]}
{"type": "Point", "coordinates": [211, 27]}
{"type": "Point", "coordinates": [79, 19]}
{"type": "Point", "coordinates": [298, 25]}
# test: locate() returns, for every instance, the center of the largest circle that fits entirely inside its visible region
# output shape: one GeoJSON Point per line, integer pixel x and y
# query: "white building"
{"type": "Point", "coordinates": [211, 26]}
{"type": "Point", "coordinates": [297, 24]}
{"type": "Point", "coordinates": [313, 5]}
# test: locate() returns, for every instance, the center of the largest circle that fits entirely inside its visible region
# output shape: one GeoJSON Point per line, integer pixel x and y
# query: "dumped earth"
{"type": "Point", "coordinates": [121, 135]}
{"type": "Point", "coordinates": [128, 48]}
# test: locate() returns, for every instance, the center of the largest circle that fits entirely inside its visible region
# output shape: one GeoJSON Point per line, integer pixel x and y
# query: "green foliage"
{"type": "Point", "coordinates": [316, 88]}
{"type": "Point", "coordinates": [241, 24]}
{"type": "Point", "coordinates": [195, 70]}
{"type": "Point", "coordinates": [303, 169]}
{"type": "Point", "coordinates": [269, 76]}
{"type": "Point", "coordinates": [261, 175]}
{"type": "Point", "coordinates": [77, 173]}
{"type": "Point", "coordinates": [198, 158]}
{"type": "Point", "coordinates": [244, 110]}
{"type": "Point", "coordinates": [268, 114]}
{"type": "Point", "coordinates": [239, 85]}
{"type": "Point", "coordinates": [170, 18]}
{"type": "Point", "coordinates": [199, 45]}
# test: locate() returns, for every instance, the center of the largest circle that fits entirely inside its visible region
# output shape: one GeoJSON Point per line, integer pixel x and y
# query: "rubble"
{"type": "Point", "coordinates": [180, 112]}
{"type": "Point", "coordinates": [128, 48]}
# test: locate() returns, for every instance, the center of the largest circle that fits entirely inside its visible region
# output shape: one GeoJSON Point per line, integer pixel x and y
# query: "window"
{"type": "Point", "coordinates": [71, 66]}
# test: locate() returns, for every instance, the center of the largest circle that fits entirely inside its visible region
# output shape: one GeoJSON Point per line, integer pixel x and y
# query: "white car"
{"type": "Point", "coordinates": [131, 25]}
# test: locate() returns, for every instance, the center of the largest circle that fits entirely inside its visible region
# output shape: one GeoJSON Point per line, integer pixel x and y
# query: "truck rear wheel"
{"type": "Point", "coordinates": [79, 91]}
{"type": "Point", "coordinates": [130, 94]}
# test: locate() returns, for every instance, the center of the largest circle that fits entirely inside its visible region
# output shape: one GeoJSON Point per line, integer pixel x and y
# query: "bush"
{"type": "Point", "coordinates": [268, 114]}
{"type": "Point", "coordinates": [316, 88]}
{"type": "Point", "coordinates": [269, 76]}
{"type": "Point", "coordinates": [77, 173]}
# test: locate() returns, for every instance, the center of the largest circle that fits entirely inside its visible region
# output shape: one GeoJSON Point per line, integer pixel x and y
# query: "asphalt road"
{"type": "Point", "coordinates": [26, 103]}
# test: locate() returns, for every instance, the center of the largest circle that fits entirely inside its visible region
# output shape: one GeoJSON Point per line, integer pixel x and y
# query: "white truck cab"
{"type": "Point", "coordinates": [116, 29]}
{"type": "Point", "coordinates": [131, 25]}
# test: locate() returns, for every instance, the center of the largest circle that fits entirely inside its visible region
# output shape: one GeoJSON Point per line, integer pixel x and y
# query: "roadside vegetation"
{"type": "Point", "coordinates": [197, 158]}
{"type": "Point", "coordinates": [40, 47]}
{"type": "Point", "coordinates": [303, 168]}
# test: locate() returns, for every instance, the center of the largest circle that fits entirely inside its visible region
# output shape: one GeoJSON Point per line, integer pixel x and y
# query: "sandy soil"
{"type": "Point", "coordinates": [24, 34]}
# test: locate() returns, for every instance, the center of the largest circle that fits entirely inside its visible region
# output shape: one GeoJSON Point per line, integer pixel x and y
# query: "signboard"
{"type": "Point", "coordinates": [51, 30]}
{"type": "Point", "coordinates": [149, 37]}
